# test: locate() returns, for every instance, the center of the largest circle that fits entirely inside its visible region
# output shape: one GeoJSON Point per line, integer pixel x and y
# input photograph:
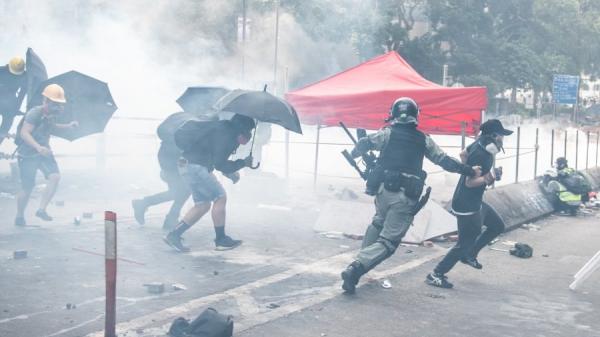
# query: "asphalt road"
{"type": "Point", "coordinates": [284, 280]}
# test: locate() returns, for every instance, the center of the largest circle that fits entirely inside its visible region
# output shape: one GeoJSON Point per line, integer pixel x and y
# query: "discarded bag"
{"type": "Point", "coordinates": [209, 323]}
{"type": "Point", "coordinates": [522, 250]}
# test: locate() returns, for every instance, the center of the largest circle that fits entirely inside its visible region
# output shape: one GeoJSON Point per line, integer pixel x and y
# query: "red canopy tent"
{"type": "Point", "coordinates": [361, 97]}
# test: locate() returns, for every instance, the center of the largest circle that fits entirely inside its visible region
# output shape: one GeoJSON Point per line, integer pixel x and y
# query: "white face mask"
{"type": "Point", "coordinates": [492, 148]}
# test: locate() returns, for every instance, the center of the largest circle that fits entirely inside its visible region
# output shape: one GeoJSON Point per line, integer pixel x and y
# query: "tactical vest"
{"type": "Point", "coordinates": [404, 151]}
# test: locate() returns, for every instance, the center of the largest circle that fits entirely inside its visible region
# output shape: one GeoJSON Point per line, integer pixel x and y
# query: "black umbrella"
{"type": "Point", "coordinates": [261, 106]}
{"type": "Point", "coordinates": [200, 100]}
{"type": "Point", "coordinates": [36, 74]}
{"type": "Point", "coordinates": [89, 102]}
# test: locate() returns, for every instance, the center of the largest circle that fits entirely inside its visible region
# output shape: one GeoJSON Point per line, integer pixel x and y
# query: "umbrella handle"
{"type": "Point", "coordinates": [255, 167]}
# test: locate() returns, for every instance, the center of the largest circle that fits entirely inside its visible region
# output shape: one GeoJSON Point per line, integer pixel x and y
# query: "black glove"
{"type": "Point", "coordinates": [248, 161]}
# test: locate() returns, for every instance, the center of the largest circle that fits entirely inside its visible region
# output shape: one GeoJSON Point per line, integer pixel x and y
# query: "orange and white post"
{"type": "Point", "coordinates": [110, 240]}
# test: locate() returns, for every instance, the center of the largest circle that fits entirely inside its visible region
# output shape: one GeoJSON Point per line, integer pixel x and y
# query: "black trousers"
{"type": "Point", "coordinates": [470, 237]}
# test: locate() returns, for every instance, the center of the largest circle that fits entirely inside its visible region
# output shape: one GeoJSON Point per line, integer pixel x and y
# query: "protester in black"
{"type": "Point", "coordinates": [467, 205]}
{"type": "Point", "coordinates": [168, 155]}
{"type": "Point", "coordinates": [13, 87]}
{"type": "Point", "coordinates": [206, 146]}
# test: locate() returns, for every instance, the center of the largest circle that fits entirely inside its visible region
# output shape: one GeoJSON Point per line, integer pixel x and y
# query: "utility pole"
{"type": "Point", "coordinates": [278, 4]}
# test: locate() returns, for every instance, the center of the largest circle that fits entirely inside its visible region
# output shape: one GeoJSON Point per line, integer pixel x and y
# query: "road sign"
{"type": "Point", "coordinates": [565, 89]}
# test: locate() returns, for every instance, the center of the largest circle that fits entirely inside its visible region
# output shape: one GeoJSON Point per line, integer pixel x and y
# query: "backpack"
{"type": "Point", "coordinates": [522, 250]}
{"type": "Point", "coordinates": [189, 134]}
{"type": "Point", "coordinates": [166, 129]}
{"type": "Point", "coordinates": [209, 323]}
{"type": "Point", "coordinates": [576, 183]}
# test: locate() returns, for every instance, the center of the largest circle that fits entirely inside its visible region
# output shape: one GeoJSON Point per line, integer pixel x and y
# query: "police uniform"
{"type": "Point", "coordinates": [402, 150]}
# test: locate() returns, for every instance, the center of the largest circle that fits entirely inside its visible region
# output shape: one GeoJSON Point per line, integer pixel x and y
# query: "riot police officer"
{"type": "Point", "coordinates": [401, 180]}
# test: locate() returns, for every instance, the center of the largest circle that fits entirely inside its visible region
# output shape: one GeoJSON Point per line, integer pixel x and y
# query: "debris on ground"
{"type": "Point", "coordinates": [493, 241]}
{"type": "Point", "coordinates": [531, 227]}
{"type": "Point", "coordinates": [408, 251]}
{"type": "Point", "coordinates": [273, 306]}
{"type": "Point", "coordinates": [87, 215]}
{"type": "Point", "coordinates": [215, 273]}
{"type": "Point", "coordinates": [436, 296]}
{"type": "Point", "coordinates": [427, 244]}
{"type": "Point", "coordinates": [545, 255]}
{"type": "Point", "coordinates": [70, 306]}
{"type": "Point", "coordinates": [77, 221]}
{"type": "Point", "coordinates": [386, 284]}
{"type": "Point", "coordinates": [354, 236]}
{"type": "Point", "coordinates": [19, 254]}
{"type": "Point", "coordinates": [155, 287]}
{"type": "Point", "coordinates": [332, 235]}
{"type": "Point", "coordinates": [178, 286]}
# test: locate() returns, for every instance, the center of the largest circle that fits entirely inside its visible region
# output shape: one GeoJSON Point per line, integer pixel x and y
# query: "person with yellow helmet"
{"type": "Point", "coordinates": [13, 87]}
{"type": "Point", "coordinates": [34, 153]}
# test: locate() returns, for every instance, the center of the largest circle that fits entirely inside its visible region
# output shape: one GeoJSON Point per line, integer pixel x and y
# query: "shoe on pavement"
{"type": "Point", "coordinates": [20, 221]}
{"type": "Point", "coordinates": [139, 211]}
{"type": "Point", "coordinates": [437, 280]}
{"type": "Point", "coordinates": [175, 241]}
{"type": "Point", "coordinates": [471, 261]}
{"type": "Point", "coordinates": [227, 243]}
{"type": "Point", "coordinates": [43, 215]}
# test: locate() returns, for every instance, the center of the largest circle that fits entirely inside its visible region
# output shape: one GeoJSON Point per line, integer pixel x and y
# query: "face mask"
{"type": "Point", "coordinates": [492, 148]}
{"type": "Point", "coordinates": [55, 109]}
{"type": "Point", "coordinates": [243, 140]}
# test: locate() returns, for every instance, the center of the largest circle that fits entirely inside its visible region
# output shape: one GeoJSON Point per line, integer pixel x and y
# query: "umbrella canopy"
{"type": "Point", "coordinates": [89, 102]}
{"type": "Point", "coordinates": [36, 74]}
{"type": "Point", "coordinates": [200, 100]}
{"type": "Point", "coordinates": [262, 106]}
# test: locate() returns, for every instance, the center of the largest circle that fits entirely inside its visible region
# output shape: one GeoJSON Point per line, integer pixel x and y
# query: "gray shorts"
{"type": "Point", "coordinates": [203, 184]}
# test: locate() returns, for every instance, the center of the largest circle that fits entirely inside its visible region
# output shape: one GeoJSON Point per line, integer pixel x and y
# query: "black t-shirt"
{"type": "Point", "coordinates": [468, 199]}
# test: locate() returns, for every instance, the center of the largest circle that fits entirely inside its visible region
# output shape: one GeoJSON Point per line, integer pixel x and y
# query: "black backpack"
{"type": "Point", "coordinates": [209, 323]}
{"type": "Point", "coordinates": [190, 133]}
{"type": "Point", "coordinates": [576, 183]}
{"type": "Point", "coordinates": [166, 129]}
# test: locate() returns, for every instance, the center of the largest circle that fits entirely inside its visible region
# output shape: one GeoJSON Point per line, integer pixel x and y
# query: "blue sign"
{"type": "Point", "coordinates": [565, 89]}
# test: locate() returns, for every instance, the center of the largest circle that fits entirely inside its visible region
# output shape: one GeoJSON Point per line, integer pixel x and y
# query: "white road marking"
{"type": "Point", "coordinates": [331, 265]}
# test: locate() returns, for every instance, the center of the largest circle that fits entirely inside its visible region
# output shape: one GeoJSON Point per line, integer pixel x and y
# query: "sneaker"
{"type": "Point", "coordinates": [20, 221]}
{"type": "Point", "coordinates": [471, 261]}
{"type": "Point", "coordinates": [351, 276]}
{"type": "Point", "coordinates": [175, 241]}
{"type": "Point", "coordinates": [139, 210]}
{"type": "Point", "coordinates": [43, 215]}
{"type": "Point", "coordinates": [226, 243]}
{"type": "Point", "coordinates": [437, 280]}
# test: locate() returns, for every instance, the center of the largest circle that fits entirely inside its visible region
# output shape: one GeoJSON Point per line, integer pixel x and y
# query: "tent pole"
{"type": "Point", "coordinates": [317, 155]}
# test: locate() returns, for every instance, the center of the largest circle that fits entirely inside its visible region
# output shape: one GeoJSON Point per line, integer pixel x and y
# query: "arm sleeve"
{"type": "Point", "coordinates": [222, 151]}
{"type": "Point", "coordinates": [437, 156]}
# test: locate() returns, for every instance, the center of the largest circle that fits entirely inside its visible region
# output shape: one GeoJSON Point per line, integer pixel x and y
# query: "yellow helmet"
{"type": "Point", "coordinates": [16, 66]}
{"type": "Point", "coordinates": [55, 93]}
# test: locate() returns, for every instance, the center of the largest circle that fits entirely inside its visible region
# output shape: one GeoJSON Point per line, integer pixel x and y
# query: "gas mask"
{"type": "Point", "coordinates": [492, 148]}
{"type": "Point", "coordinates": [494, 145]}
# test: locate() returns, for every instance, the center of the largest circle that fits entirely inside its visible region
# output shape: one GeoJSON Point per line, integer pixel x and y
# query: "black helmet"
{"type": "Point", "coordinates": [243, 123]}
{"type": "Point", "coordinates": [561, 162]}
{"type": "Point", "coordinates": [405, 111]}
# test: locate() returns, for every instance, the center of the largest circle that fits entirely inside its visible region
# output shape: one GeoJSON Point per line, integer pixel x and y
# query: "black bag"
{"type": "Point", "coordinates": [166, 129]}
{"type": "Point", "coordinates": [209, 323]}
{"type": "Point", "coordinates": [191, 132]}
{"type": "Point", "coordinates": [576, 183]}
{"type": "Point", "coordinates": [522, 250]}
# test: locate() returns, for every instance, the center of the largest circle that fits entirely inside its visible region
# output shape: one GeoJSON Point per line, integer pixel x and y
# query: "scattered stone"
{"type": "Point", "coordinates": [436, 296]}
{"type": "Point", "coordinates": [215, 273]}
{"type": "Point", "coordinates": [273, 306]}
{"type": "Point", "coordinates": [408, 251]}
{"type": "Point", "coordinates": [77, 221]}
{"type": "Point", "coordinates": [87, 215]}
{"type": "Point", "coordinates": [69, 306]}
{"type": "Point", "coordinates": [19, 254]}
{"type": "Point", "coordinates": [545, 255]}
{"type": "Point", "coordinates": [427, 244]}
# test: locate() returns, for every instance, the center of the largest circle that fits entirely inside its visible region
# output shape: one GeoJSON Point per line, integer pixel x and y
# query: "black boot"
{"type": "Point", "coordinates": [351, 276]}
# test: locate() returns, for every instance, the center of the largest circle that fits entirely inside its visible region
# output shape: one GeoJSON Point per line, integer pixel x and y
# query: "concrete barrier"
{"type": "Point", "coordinates": [520, 203]}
